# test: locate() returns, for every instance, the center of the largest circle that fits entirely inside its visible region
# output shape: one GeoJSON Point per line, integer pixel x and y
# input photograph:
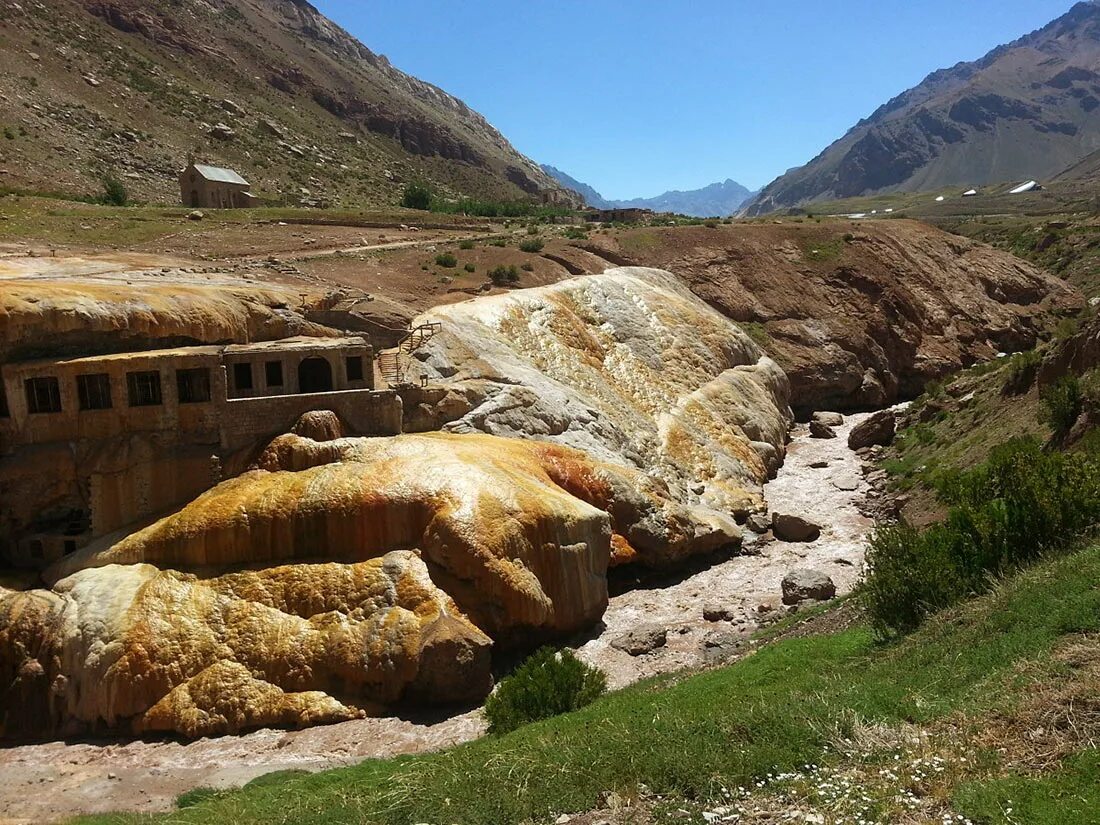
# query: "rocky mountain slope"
{"type": "Point", "coordinates": [717, 199]}
{"type": "Point", "coordinates": [1026, 110]}
{"type": "Point", "coordinates": [270, 87]}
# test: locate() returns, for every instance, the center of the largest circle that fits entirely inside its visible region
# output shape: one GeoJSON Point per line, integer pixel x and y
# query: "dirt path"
{"type": "Point", "coordinates": [57, 780]}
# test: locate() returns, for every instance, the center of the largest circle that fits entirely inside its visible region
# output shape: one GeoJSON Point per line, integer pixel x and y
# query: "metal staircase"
{"type": "Point", "coordinates": [393, 364]}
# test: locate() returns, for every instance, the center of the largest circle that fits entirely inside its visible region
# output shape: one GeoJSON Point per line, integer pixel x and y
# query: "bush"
{"type": "Point", "coordinates": [498, 242]}
{"type": "Point", "coordinates": [466, 245]}
{"type": "Point", "coordinates": [547, 684]}
{"type": "Point", "coordinates": [470, 268]}
{"type": "Point", "coordinates": [9, 133]}
{"type": "Point", "coordinates": [532, 229]}
{"type": "Point", "coordinates": [504, 275]}
{"type": "Point", "coordinates": [533, 245]}
{"type": "Point", "coordinates": [710, 224]}
{"type": "Point", "coordinates": [417, 196]}
{"type": "Point", "coordinates": [114, 193]}
{"type": "Point", "coordinates": [1020, 374]}
{"type": "Point", "coordinates": [1061, 404]}
{"type": "Point", "coordinates": [576, 233]}
{"type": "Point", "coordinates": [527, 267]}
{"type": "Point", "coordinates": [446, 259]}
{"type": "Point", "coordinates": [1021, 504]}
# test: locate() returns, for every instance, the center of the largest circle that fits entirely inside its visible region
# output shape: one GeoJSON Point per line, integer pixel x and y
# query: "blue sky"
{"type": "Point", "coordinates": [636, 97]}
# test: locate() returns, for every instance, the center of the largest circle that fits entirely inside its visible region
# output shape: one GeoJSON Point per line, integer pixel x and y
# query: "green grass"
{"type": "Point", "coordinates": [1070, 795]}
{"type": "Point", "coordinates": [774, 711]}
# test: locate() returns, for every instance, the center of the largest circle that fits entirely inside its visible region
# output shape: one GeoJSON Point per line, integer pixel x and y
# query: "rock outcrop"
{"type": "Point", "coordinates": [859, 315]}
{"type": "Point", "coordinates": [627, 366]}
{"type": "Point", "coordinates": [877, 429]}
{"type": "Point", "coordinates": [148, 649]}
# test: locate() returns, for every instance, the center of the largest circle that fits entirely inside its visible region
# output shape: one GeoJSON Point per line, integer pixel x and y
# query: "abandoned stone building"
{"type": "Point", "coordinates": [211, 187]}
{"type": "Point", "coordinates": [127, 437]}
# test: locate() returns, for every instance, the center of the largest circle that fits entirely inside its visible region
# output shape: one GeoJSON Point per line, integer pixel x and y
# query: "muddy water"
{"type": "Point", "coordinates": [57, 780]}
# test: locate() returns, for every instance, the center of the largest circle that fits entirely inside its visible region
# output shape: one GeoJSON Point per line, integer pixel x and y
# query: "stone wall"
{"type": "Point", "coordinates": [364, 412]}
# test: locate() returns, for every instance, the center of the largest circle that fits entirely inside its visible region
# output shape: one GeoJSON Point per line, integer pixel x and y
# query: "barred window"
{"type": "Point", "coordinates": [144, 389]}
{"type": "Point", "coordinates": [43, 395]}
{"type": "Point", "coordinates": [193, 385]}
{"type": "Point", "coordinates": [94, 391]}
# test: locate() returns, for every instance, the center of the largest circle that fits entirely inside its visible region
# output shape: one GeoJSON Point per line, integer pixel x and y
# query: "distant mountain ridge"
{"type": "Point", "coordinates": [1028, 109]}
{"type": "Point", "coordinates": [717, 199]}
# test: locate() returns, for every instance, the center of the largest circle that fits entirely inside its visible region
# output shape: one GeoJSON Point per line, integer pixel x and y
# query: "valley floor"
{"type": "Point", "coordinates": [89, 777]}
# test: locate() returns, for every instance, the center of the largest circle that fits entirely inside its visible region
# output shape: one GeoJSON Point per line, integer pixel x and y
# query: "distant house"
{"type": "Point", "coordinates": [1030, 186]}
{"type": "Point", "coordinates": [211, 187]}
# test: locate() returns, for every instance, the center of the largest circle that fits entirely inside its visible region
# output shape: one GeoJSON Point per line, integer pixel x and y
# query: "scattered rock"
{"type": "Point", "coordinates": [91, 80]}
{"type": "Point", "coordinates": [232, 108]}
{"type": "Point", "coordinates": [806, 583]}
{"type": "Point", "coordinates": [794, 528]}
{"type": "Point", "coordinates": [821, 430]}
{"type": "Point", "coordinates": [819, 465]}
{"type": "Point", "coordinates": [877, 430]}
{"type": "Point", "coordinates": [830, 419]}
{"type": "Point", "coordinates": [846, 483]}
{"type": "Point", "coordinates": [196, 215]}
{"type": "Point", "coordinates": [222, 131]}
{"type": "Point", "coordinates": [643, 639]}
{"type": "Point", "coordinates": [718, 613]}
{"type": "Point", "coordinates": [719, 645]}
{"type": "Point", "coordinates": [759, 522]}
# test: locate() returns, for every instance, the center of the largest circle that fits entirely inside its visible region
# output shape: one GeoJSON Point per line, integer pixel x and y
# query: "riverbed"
{"type": "Point", "coordinates": [821, 480]}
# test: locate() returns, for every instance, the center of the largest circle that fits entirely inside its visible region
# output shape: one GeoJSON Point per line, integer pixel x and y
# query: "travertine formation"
{"type": "Point", "coordinates": [338, 575]}
{"type": "Point", "coordinates": [628, 366]}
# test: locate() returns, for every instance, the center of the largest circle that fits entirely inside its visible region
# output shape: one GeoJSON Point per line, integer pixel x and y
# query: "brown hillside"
{"type": "Point", "coordinates": [270, 87]}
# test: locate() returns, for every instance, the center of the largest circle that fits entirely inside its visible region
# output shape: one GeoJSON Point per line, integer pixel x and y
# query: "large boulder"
{"type": "Point", "coordinates": [807, 584]}
{"type": "Point", "coordinates": [819, 429]}
{"type": "Point", "coordinates": [641, 640]}
{"type": "Point", "coordinates": [788, 527]}
{"type": "Point", "coordinates": [877, 429]}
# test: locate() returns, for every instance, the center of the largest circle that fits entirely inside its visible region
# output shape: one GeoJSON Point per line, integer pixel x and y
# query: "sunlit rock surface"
{"type": "Point", "coordinates": [158, 650]}
{"type": "Point", "coordinates": [606, 420]}
{"type": "Point", "coordinates": [628, 366]}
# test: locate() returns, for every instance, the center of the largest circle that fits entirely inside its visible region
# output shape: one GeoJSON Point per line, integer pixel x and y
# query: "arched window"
{"type": "Point", "coordinates": [314, 375]}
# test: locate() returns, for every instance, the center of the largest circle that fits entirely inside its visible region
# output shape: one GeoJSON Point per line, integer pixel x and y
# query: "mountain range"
{"type": "Point", "coordinates": [1027, 110]}
{"type": "Point", "coordinates": [717, 199]}
{"type": "Point", "coordinates": [271, 88]}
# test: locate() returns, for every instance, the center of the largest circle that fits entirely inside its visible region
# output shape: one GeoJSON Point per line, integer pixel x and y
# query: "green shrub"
{"type": "Point", "coordinates": [527, 267]}
{"type": "Point", "coordinates": [114, 193]}
{"type": "Point", "coordinates": [498, 242]}
{"type": "Point", "coordinates": [417, 196]}
{"type": "Point", "coordinates": [576, 233]}
{"type": "Point", "coordinates": [470, 268]}
{"type": "Point", "coordinates": [532, 245]}
{"type": "Point", "coordinates": [9, 133]}
{"type": "Point", "coordinates": [446, 259]}
{"type": "Point", "coordinates": [1061, 404]}
{"type": "Point", "coordinates": [466, 245]}
{"type": "Point", "coordinates": [532, 229]}
{"type": "Point", "coordinates": [1022, 503]}
{"type": "Point", "coordinates": [711, 224]}
{"type": "Point", "coordinates": [549, 683]}
{"type": "Point", "coordinates": [1021, 371]}
{"type": "Point", "coordinates": [503, 275]}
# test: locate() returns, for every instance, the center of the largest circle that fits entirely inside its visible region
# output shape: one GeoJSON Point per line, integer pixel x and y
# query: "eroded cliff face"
{"type": "Point", "coordinates": [627, 366]}
{"type": "Point", "coordinates": [860, 314]}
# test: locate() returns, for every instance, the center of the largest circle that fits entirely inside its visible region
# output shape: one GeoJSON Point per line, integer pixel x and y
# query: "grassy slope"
{"type": "Point", "coordinates": [774, 711]}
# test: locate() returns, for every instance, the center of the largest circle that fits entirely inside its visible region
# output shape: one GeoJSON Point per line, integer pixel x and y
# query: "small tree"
{"type": "Point", "coordinates": [446, 259]}
{"type": "Point", "coordinates": [114, 193]}
{"type": "Point", "coordinates": [417, 196]}
{"type": "Point", "coordinates": [1061, 404]}
{"type": "Point", "coordinates": [549, 683]}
